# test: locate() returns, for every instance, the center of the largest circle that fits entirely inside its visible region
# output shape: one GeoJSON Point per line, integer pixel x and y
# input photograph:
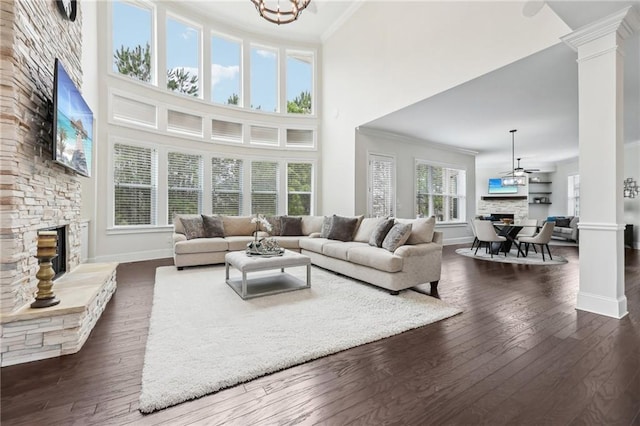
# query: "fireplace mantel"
{"type": "Point", "coordinates": [504, 197]}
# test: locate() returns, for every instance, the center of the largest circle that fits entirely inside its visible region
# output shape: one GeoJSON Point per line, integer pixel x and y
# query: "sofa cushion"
{"type": "Point", "coordinates": [378, 234]}
{"type": "Point", "coordinates": [238, 225]}
{"type": "Point", "coordinates": [311, 224]}
{"type": "Point", "coordinates": [213, 226]}
{"type": "Point", "coordinates": [375, 257]}
{"type": "Point", "coordinates": [290, 226]}
{"type": "Point", "coordinates": [237, 243]}
{"type": "Point", "coordinates": [396, 236]}
{"type": "Point", "coordinates": [193, 227]}
{"type": "Point", "coordinates": [342, 228]}
{"type": "Point", "coordinates": [421, 229]}
{"type": "Point", "coordinates": [366, 228]}
{"type": "Point", "coordinates": [315, 244]}
{"type": "Point", "coordinates": [292, 243]}
{"type": "Point", "coordinates": [201, 245]}
{"type": "Point", "coordinates": [340, 250]}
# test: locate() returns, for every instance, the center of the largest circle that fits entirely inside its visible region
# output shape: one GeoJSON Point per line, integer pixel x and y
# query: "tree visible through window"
{"type": "Point", "coordinates": [184, 176]}
{"type": "Point", "coordinates": [440, 192]}
{"type": "Point", "coordinates": [299, 183]}
{"type": "Point", "coordinates": [134, 180]}
{"type": "Point", "coordinates": [299, 82]}
{"type": "Point", "coordinates": [264, 187]}
{"type": "Point", "coordinates": [226, 182]}
{"type": "Point", "coordinates": [131, 36]}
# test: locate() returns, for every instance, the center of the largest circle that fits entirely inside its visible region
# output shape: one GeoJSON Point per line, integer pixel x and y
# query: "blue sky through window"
{"type": "Point", "coordinates": [225, 70]}
{"type": "Point", "coordinates": [183, 47]}
{"type": "Point", "coordinates": [264, 79]}
{"type": "Point", "coordinates": [299, 75]}
{"type": "Point", "coordinates": [131, 26]}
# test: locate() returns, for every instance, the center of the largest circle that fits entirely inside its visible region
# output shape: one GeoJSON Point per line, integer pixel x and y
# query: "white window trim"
{"type": "Point", "coordinates": [312, 207]}
{"type": "Point", "coordinates": [314, 56]}
{"type": "Point", "coordinates": [463, 219]}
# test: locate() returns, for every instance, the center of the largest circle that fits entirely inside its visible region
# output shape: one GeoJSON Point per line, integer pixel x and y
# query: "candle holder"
{"type": "Point", "coordinates": [47, 250]}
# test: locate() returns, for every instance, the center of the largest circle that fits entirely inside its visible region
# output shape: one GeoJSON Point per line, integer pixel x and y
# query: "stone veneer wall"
{"type": "Point", "coordinates": [519, 208]}
{"type": "Point", "coordinates": [35, 193]}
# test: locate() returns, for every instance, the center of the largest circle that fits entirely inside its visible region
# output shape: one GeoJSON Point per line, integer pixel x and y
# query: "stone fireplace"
{"type": "Point", "coordinates": [517, 206]}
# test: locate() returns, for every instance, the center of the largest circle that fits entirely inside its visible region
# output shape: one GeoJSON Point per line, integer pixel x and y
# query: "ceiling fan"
{"type": "Point", "coordinates": [515, 176]}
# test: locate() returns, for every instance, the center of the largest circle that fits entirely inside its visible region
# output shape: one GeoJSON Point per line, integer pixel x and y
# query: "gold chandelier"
{"type": "Point", "coordinates": [272, 12]}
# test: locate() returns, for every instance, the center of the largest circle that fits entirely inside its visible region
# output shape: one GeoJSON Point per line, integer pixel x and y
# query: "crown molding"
{"type": "Point", "coordinates": [625, 22]}
{"type": "Point", "coordinates": [341, 20]}
{"type": "Point", "coordinates": [412, 140]}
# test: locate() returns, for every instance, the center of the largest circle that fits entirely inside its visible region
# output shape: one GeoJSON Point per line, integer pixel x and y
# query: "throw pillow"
{"type": "Point", "coordinates": [274, 221]}
{"type": "Point", "coordinates": [342, 228]}
{"type": "Point", "coordinates": [378, 234]}
{"type": "Point", "coordinates": [366, 228]}
{"type": "Point", "coordinates": [213, 227]}
{"type": "Point", "coordinates": [193, 227]}
{"type": "Point", "coordinates": [421, 229]}
{"type": "Point", "coordinates": [397, 236]}
{"type": "Point", "coordinates": [290, 226]}
{"type": "Point", "coordinates": [326, 226]}
{"type": "Point", "coordinates": [563, 222]}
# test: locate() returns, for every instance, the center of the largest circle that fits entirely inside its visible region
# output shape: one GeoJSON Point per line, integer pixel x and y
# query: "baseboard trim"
{"type": "Point", "coordinates": [134, 256]}
{"type": "Point", "coordinates": [614, 308]}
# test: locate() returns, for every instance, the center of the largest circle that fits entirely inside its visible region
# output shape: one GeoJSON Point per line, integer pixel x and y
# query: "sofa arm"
{"type": "Point", "coordinates": [417, 249]}
{"type": "Point", "coordinates": [178, 237]}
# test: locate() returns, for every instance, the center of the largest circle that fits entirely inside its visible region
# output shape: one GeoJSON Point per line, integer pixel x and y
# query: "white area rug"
{"type": "Point", "coordinates": [532, 258]}
{"type": "Point", "coordinates": [203, 337]}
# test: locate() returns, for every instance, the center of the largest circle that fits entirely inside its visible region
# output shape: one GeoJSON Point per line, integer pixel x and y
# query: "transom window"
{"type": "Point", "coordinates": [183, 58]}
{"type": "Point", "coordinates": [440, 192]}
{"type": "Point", "coordinates": [131, 40]}
{"type": "Point", "coordinates": [264, 79]}
{"type": "Point", "coordinates": [226, 58]}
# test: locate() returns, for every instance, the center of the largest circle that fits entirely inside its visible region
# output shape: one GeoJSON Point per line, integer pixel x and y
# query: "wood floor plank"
{"type": "Point", "coordinates": [518, 340]}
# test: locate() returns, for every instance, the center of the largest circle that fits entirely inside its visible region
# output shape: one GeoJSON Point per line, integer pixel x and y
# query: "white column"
{"type": "Point", "coordinates": [600, 70]}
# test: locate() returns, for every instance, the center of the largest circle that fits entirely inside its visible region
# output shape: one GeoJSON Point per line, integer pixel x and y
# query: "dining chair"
{"type": "Point", "coordinates": [486, 233]}
{"type": "Point", "coordinates": [475, 235]}
{"type": "Point", "coordinates": [529, 228]}
{"type": "Point", "coordinates": [542, 238]}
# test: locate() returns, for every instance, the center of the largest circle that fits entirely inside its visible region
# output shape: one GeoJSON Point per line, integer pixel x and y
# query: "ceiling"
{"type": "Point", "coordinates": [538, 95]}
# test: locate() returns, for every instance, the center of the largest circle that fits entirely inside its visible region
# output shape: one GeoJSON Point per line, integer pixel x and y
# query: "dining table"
{"type": "Point", "coordinates": [510, 232]}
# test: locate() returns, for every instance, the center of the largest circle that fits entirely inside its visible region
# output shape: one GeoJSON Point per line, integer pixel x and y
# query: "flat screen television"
{"type": "Point", "coordinates": [495, 187]}
{"type": "Point", "coordinates": [72, 124]}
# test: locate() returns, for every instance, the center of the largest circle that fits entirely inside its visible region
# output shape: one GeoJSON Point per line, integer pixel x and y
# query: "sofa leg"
{"type": "Point", "coordinates": [434, 289]}
{"type": "Point", "coordinates": [180, 268]}
{"type": "Point", "coordinates": [394, 292]}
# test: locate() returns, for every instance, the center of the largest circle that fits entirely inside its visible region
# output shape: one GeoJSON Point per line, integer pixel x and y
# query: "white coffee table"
{"type": "Point", "coordinates": [264, 285]}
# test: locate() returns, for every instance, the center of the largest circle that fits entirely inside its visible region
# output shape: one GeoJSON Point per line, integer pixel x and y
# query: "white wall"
{"type": "Point", "coordinates": [374, 65]}
{"type": "Point", "coordinates": [406, 151]}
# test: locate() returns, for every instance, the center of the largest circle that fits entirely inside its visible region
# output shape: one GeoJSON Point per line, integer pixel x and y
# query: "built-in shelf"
{"type": "Point", "coordinates": [530, 182]}
{"type": "Point", "coordinates": [539, 203]}
{"type": "Point", "coordinates": [537, 192]}
{"type": "Point", "coordinates": [504, 197]}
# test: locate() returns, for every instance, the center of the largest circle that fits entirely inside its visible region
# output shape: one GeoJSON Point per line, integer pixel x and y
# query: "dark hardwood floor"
{"type": "Point", "coordinates": [519, 354]}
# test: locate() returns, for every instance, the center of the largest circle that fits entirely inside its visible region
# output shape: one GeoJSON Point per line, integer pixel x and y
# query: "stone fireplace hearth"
{"type": "Point", "coordinates": [518, 207]}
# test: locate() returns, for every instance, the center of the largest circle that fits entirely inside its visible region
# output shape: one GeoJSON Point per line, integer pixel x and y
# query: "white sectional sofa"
{"type": "Point", "coordinates": [416, 261]}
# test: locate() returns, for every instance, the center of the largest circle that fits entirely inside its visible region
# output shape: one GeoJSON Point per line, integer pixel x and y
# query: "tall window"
{"type": "Point", "coordinates": [573, 195]}
{"type": "Point", "coordinates": [184, 176]}
{"type": "Point", "coordinates": [131, 40]}
{"type": "Point", "coordinates": [440, 192]}
{"type": "Point", "coordinates": [226, 184]}
{"type": "Point", "coordinates": [264, 187]}
{"type": "Point", "coordinates": [183, 58]}
{"type": "Point", "coordinates": [299, 82]}
{"type": "Point", "coordinates": [299, 188]}
{"type": "Point", "coordinates": [381, 191]}
{"type": "Point", "coordinates": [225, 71]}
{"type": "Point", "coordinates": [135, 182]}
{"type": "Point", "coordinates": [264, 79]}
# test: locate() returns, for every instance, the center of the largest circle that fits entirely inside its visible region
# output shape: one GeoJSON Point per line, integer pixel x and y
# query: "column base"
{"type": "Point", "coordinates": [614, 308]}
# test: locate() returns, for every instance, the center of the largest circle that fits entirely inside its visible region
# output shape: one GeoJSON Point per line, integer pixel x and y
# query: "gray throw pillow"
{"type": "Point", "coordinates": [290, 226]}
{"type": "Point", "coordinates": [326, 226]}
{"type": "Point", "coordinates": [274, 221]}
{"type": "Point", "coordinates": [397, 236]}
{"type": "Point", "coordinates": [213, 226]}
{"type": "Point", "coordinates": [342, 228]}
{"type": "Point", "coordinates": [193, 227]}
{"type": "Point", "coordinates": [563, 222]}
{"type": "Point", "coordinates": [378, 234]}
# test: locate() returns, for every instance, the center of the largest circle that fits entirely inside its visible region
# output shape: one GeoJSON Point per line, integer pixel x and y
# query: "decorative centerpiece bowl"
{"type": "Point", "coordinates": [506, 221]}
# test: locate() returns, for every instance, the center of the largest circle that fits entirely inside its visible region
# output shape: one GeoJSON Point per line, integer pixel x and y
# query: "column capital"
{"type": "Point", "coordinates": [624, 22]}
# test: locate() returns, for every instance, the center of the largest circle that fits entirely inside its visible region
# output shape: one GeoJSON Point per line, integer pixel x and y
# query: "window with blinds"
{"type": "Point", "coordinates": [227, 131]}
{"type": "Point", "coordinates": [264, 135]}
{"type": "Point", "coordinates": [184, 184]}
{"type": "Point", "coordinates": [264, 187]}
{"type": "Point", "coordinates": [299, 188]}
{"type": "Point", "coordinates": [135, 175]}
{"type": "Point", "coordinates": [381, 189]}
{"type": "Point", "coordinates": [299, 138]}
{"type": "Point", "coordinates": [440, 192]}
{"type": "Point", "coordinates": [573, 195]}
{"type": "Point", "coordinates": [226, 184]}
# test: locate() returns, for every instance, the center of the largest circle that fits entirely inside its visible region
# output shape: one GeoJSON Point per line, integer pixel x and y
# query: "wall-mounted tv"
{"type": "Point", "coordinates": [72, 124]}
{"type": "Point", "coordinates": [495, 187]}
